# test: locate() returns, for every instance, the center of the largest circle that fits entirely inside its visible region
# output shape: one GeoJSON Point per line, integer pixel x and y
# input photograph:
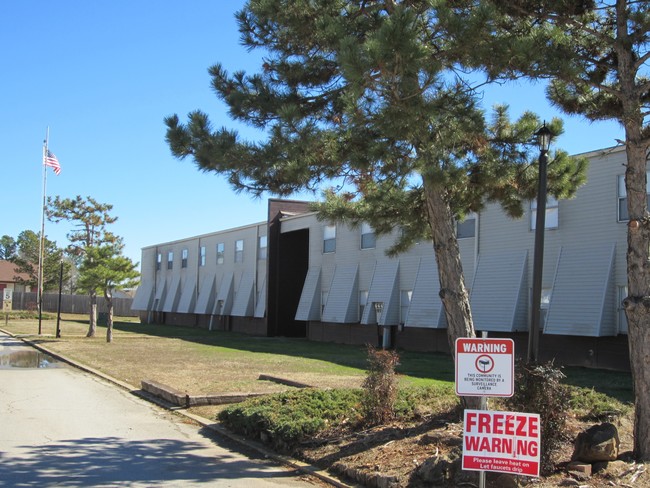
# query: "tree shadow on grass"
{"type": "Point", "coordinates": [114, 461]}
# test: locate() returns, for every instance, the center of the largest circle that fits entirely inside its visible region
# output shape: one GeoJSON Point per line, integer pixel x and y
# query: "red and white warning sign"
{"type": "Point", "coordinates": [506, 442]}
{"type": "Point", "coordinates": [485, 367]}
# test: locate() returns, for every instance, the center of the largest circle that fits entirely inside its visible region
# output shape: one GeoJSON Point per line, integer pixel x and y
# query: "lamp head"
{"type": "Point", "coordinates": [544, 135]}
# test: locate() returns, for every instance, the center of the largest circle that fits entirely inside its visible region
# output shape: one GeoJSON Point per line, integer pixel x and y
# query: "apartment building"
{"type": "Point", "coordinates": [295, 275]}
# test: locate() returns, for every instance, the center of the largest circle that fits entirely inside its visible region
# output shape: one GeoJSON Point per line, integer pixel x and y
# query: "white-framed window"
{"type": "Point", "coordinates": [622, 318]}
{"type": "Point", "coordinates": [202, 256]}
{"type": "Point", "coordinates": [368, 239]}
{"type": "Point", "coordinates": [329, 238]}
{"type": "Point", "coordinates": [623, 215]}
{"type": "Point", "coordinates": [221, 251]}
{"type": "Point", "coordinates": [404, 304]}
{"type": "Point", "coordinates": [262, 250]}
{"type": "Point", "coordinates": [466, 228]}
{"type": "Point", "coordinates": [239, 251]}
{"type": "Point", "coordinates": [552, 213]}
{"type": "Point", "coordinates": [363, 300]}
{"type": "Point", "coordinates": [170, 259]}
{"type": "Point", "coordinates": [184, 254]}
{"type": "Point", "coordinates": [158, 261]}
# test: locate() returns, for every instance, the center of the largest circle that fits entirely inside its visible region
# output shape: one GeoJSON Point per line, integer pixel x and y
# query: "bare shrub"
{"type": "Point", "coordinates": [380, 386]}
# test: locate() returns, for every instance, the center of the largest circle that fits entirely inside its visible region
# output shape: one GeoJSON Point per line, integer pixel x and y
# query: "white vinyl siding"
{"type": "Point", "coordinates": [206, 298]}
{"type": "Point", "coordinates": [188, 298]}
{"type": "Point", "coordinates": [260, 306]}
{"type": "Point", "coordinates": [343, 295]}
{"type": "Point", "coordinates": [426, 307]}
{"type": "Point", "coordinates": [223, 303]}
{"type": "Point", "coordinates": [583, 298]}
{"type": "Point", "coordinates": [309, 304]}
{"type": "Point", "coordinates": [499, 295]}
{"type": "Point", "coordinates": [383, 289]}
{"type": "Point", "coordinates": [244, 298]}
{"type": "Point", "coordinates": [363, 301]}
{"type": "Point", "coordinates": [173, 296]}
{"type": "Point", "coordinates": [143, 299]}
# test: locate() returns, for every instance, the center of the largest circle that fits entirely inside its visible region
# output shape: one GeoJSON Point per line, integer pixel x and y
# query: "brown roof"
{"type": "Point", "coordinates": [8, 272]}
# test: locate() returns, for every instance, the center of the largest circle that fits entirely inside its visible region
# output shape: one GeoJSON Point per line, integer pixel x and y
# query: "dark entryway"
{"type": "Point", "coordinates": [288, 264]}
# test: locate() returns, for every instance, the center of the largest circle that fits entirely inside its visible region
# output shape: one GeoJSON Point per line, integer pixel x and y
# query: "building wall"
{"type": "Point", "coordinates": [584, 274]}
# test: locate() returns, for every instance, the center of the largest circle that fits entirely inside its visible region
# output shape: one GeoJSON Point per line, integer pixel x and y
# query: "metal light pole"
{"type": "Point", "coordinates": [544, 142]}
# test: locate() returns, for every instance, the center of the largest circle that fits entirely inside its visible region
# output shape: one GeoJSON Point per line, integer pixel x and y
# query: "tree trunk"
{"type": "Point", "coordinates": [92, 327]}
{"type": "Point", "coordinates": [109, 319]}
{"type": "Point", "coordinates": [637, 303]}
{"type": "Point", "coordinates": [453, 292]}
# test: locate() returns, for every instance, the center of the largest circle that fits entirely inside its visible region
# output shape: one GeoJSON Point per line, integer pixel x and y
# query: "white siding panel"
{"type": "Point", "coordinates": [188, 297]}
{"type": "Point", "coordinates": [384, 288]}
{"type": "Point", "coordinates": [583, 286]}
{"type": "Point", "coordinates": [161, 294]}
{"type": "Point", "coordinates": [309, 305]}
{"type": "Point", "coordinates": [223, 304]}
{"type": "Point", "coordinates": [244, 298]}
{"type": "Point", "coordinates": [260, 306]}
{"type": "Point", "coordinates": [206, 298]}
{"type": "Point", "coordinates": [143, 299]}
{"type": "Point", "coordinates": [173, 296]}
{"type": "Point", "coordinates": [426, 307]}
{"type": "Point", "coordinates": [343, 298]}
{"type": "Point", "coordinates": [499, 291]}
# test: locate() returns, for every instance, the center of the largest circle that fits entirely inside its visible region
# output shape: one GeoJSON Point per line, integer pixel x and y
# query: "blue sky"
{"type": "Point", "coordinates": [103, 74]}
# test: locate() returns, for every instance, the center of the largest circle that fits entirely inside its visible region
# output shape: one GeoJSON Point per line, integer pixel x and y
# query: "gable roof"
{"type": "Point", "coordinates": [8, 272]}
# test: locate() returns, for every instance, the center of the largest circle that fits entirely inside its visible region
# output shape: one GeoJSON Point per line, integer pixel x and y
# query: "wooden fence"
{"type": "Point", "coordinates": [79, 304]}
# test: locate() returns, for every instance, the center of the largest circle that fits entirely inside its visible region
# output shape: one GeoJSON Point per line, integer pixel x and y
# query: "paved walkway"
{"type": "Point", "coordinates": [63, 427]}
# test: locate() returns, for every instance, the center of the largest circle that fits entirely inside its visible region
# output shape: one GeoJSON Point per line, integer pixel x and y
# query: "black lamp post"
{"type": "Point", "coordinates": [544, 142]}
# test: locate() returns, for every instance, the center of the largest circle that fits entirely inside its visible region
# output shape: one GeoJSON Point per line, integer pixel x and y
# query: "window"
{"type": "Point", "coordinates": [170, 259]}
{"type": "Point", "coordinates": [239, 251]}
{"type": "Point", "coordinates": [202, 256]}
{"type": "Point", "coordinates": [262, 248]}
{"type": "Point", "coordinates": [467, 227]}
{"type": "Point", "coordinates": [158, 261]}
{"type": "Point", "coordinates": [363, 300]}
{"type": "Point", "coordinates": [622, 198]}
{"type": "Point", "coordinates": [367, 236]}
{"type": "Point", "coordinates": [329, 238]}
{"type": "Point", "coordinates": [184, 254]}
{"type": "Point", "coordinates": [221, 249]}
{"type": "Point", "coordinates": [551, 213]}
{"type": "Point", "coordinates": [404, 304]}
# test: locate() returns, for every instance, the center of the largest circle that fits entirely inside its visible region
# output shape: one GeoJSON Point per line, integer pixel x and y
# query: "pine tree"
{"type": "Point", "coordinates": [360, 99]}
{"type": "Point", "coordinates": [90, 219]}
{"type": "Point", "coordinates": [596, 54]}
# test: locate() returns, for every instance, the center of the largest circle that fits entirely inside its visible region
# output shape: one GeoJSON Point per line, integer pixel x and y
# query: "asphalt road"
{"type": "Point", "coordinates": [65, 428]}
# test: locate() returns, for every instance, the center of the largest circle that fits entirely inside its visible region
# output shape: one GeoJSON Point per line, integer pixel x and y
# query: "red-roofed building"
{"type": "Point", "coordinates": [9, 277]}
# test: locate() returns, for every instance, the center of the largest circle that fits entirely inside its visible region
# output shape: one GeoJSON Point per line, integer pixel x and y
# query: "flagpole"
{"type": "Point", "coordinates": [41, 243]}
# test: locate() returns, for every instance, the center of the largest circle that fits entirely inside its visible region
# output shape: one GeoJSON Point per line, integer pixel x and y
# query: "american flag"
{"type": "Point", "coordinates": [51, 161]}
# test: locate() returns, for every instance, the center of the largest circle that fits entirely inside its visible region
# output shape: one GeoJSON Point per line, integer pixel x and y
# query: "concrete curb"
{"type": "Point", "coordinates": [288, 461]}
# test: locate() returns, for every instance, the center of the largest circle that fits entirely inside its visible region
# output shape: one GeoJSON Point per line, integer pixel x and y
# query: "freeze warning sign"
{"type": "Point", "coordinates": [485, 367]}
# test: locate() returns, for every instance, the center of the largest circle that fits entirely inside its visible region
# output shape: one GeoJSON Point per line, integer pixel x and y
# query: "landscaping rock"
{"type": "Point", "coordinates": [598, 443]}
{"type": "Point", "coordinates": [440, 469]}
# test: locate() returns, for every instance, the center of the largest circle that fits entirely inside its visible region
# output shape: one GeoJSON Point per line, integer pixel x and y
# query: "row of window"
{"type": "Point", "coordinates": [221, 254]}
